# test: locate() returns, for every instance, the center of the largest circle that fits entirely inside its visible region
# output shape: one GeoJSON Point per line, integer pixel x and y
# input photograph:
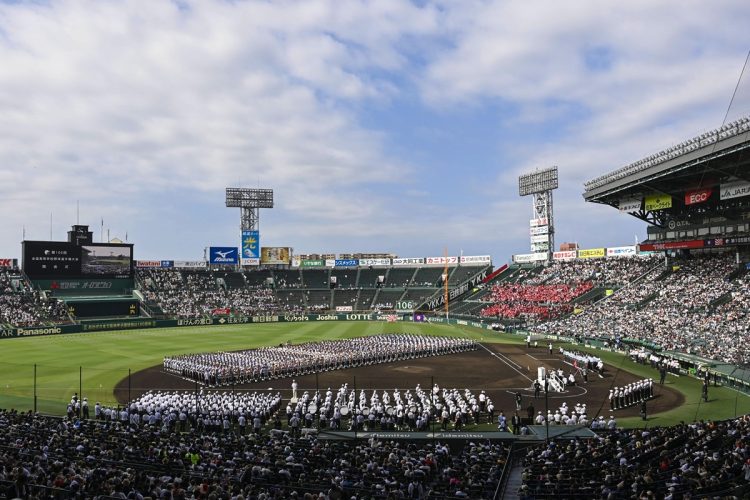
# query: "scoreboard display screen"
{"type": "Point", "coordinates": [59, 259]}
{"type": "Point", "coordinates": [91, 309]}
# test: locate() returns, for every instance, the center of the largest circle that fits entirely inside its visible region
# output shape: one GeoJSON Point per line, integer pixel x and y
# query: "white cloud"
{"type": "Point", "coordinates": [145, 112]}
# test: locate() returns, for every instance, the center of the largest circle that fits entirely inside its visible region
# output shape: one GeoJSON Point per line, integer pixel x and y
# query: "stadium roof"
{"type": "Point", "coordinates": [714, 155]}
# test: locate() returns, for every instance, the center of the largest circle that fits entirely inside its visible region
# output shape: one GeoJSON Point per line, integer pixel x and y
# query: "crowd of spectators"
{"type": "Point", "coordinates": [21, 305]}
{"type": "Point", "coordinates": [613, 271]}
{"type": "Point", "coordinates": [691, 306]}
{"type": "Point", "coordinates": [45, 456]}
{"type": "Point", "coordinates": [545, 294]}
{"type": "Point", "coordinates": [695, 460]}
{"type": "Point", "coordinates": [198, 294]}
{"type": "Point", "coordinates": [533, 302]}
{"type": "Point", "coordinates": [227, 368]}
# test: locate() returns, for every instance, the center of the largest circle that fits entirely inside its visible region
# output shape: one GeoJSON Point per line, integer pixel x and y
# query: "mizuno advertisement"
{"type": "Point", "coordinates": [223, 255]}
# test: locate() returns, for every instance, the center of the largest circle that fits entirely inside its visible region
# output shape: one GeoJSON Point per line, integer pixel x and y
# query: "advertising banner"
{"type": "Point", "coordinates": [60, 286]}
{"type": "Point", "coordinates": [330, 262]}
{"type": "Point", "coordinates": [221, 311]}
{"type": "Point", "coordinates": [409, 261]}
{"type": "Point", "coordinates": [344, 308]}
{"type": "Point", "coordinates": [189, 264]}
{"type": "Point", "coordinates": [538, 222]}
{"type": "Point", "coordinates": [735, 189]}
{"type": "Point", "coordinates": [250, 245]}
{"type": "Point", "coordinates": [346, 263]}
{"type": "Point", "coordinates": [658, 202]}
{"type": "Point", "coordinates": [223, 255]}
{"type": "Point", "coordinates": [540, 247]}
{"type": "Point", "coordinates": [542, 238]}
{"type": "Point", "coordinates": [630, 205]}
{"type": "Point", "coordinates": [621, 251]}
{"type": "Point", "coordinates": [7, 262]}
{"type": "Point", "coordinates": [312, 263]}
{"type": "Point", "coordinates": [275, 255]}
{"type": "Point", "coordinates": [592, 253]}
{"type": "Point", "coordinates": [374, 262]}
{"type": "Point", "coordinates": [533, 231]}
{"type": "Point", "coordinates": [296, 261]}
{"type": "Point", "coordinates": [441, 260]}
{"type": "Point", "coordinates": [250, 262]}
{"type": "Point", "coordinates": [672, 245]}
{"type": "Point", "coordinates": [147, 264]}
{"type": "Point", "coordinates": [529, 257]}
{"type": "Point", "coordinates": [698, 196]}
{"type": "Point", "coordinates": [568, 255]}
{"type": "Point", "coordinates": [476, 259]}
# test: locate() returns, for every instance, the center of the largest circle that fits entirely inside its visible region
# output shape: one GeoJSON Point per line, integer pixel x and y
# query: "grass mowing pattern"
{"type": "Point", "coordinates": [105, 358]}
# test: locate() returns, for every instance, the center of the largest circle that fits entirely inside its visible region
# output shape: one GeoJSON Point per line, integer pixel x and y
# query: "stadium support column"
{"type": "Point", "coordinates": [539, 185]}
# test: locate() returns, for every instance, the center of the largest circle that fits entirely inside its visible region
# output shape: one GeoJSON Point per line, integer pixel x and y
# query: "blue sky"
{"type": "Point", "coordinates": [382, 126]}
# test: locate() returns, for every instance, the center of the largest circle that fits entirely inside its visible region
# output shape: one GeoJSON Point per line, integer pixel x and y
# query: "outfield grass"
{"type": "Point", "coordinates": [103, 359]}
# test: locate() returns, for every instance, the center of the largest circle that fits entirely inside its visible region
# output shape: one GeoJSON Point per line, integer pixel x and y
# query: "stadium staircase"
{"type": "Point", "coordinates": [513, 483]}
{"type": "Point", "coordinates": [643, 303]}
{"type": "Point", "coordinates": [737, 273]}
{"type": "Point", "coordinates": [720, 301]}
{"type": "Point", "coordinates": [593, 295]}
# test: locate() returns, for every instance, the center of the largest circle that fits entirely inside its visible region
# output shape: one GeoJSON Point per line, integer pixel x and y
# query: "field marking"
{"type": "Point", "coordinates": [506, 362]}
{"type": "Point", "coordinates": [532, 357]}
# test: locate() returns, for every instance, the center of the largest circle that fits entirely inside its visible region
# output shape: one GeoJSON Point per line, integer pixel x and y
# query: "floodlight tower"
{"type": "Point", "coordinates": [540, 185]}
{"type": "Point", "coordinates": [250, 201]}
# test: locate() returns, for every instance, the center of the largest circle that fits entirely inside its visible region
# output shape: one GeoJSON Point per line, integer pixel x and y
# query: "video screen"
{"type": "Point", "coordinates": [47, 259]}
{"type": "Point", "coordinates": [106, 260]}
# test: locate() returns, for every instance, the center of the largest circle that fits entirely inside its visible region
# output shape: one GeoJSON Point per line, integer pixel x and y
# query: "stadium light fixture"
{"type": "Point", "coordinates": [249, 198]}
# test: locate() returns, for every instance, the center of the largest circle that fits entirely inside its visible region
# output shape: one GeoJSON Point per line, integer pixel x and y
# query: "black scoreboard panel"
{"type": "Point", "coordinates": [47, 259]}
{"type": "Point", "coordinates": [95, 309]}
{"type": "Point", "coordinates": [61, 259]}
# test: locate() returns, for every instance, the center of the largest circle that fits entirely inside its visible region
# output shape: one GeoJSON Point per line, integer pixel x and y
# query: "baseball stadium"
{"type": "Point", "coordinates": [617, 372]}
